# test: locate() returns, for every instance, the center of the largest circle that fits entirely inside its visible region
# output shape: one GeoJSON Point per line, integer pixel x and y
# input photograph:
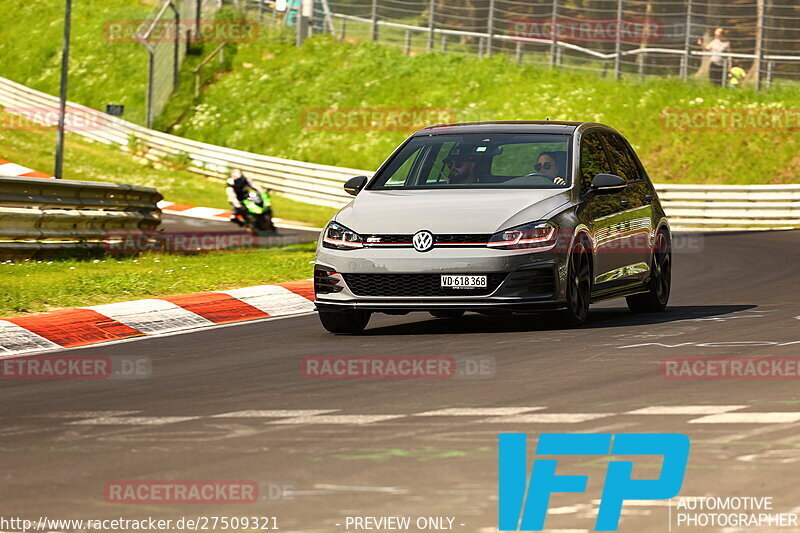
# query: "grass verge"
{"type": "Point", "coordinates": [259, 106]}
{"type": "Point", "coordinates": [37, 286]}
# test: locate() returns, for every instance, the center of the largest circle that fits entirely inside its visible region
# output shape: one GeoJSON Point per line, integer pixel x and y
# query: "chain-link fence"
{"type": "Point", "coordinates": [670, 38]}
{"type": "Point", "coordinates": [166, 34]}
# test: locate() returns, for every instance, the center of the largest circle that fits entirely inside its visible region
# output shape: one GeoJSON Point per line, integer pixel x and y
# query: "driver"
{"type": "Point", "coordinates": [238, 187]}
{"type": "Point", "coordinates": [461, 162]}
{"type": "Point", "coordinates": [552, 165]}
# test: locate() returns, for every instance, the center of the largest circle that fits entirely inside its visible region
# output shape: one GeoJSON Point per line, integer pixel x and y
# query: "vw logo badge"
{"type": "Point", "coordinates": [422, 241]}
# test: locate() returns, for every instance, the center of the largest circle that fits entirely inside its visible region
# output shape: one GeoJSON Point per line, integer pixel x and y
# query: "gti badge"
{"type": "Point", "coordinates": [423, 241]}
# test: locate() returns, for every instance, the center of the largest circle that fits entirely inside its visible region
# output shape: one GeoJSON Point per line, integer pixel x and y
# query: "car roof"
{"type": "Point", "coordinates": [510, 126]}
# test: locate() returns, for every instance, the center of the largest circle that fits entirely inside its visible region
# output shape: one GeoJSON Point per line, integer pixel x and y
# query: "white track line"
{"type": "Point", "coordinates": [685, 410]}
{"type": "Point", "coordinates": [357, 420]}
{"type": "Point", "coordinates": [479, 411]}
{"type": "Point", "coordinates": [549, 418]}
{"type": "Point", "coordinates": [275, 413]}
{"type": "Point", "coordinates": [749, 418]}
{"type": "Point", "coordinates": [132, 420]}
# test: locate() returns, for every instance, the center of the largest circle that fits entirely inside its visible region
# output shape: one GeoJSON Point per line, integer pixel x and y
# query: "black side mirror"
{"type": "Point", "coordinates": [354, 185]}
{"type": "Point", "coordinates": [607, 184]}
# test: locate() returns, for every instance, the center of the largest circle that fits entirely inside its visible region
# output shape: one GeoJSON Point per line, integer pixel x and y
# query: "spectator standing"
{"type": "Point", "coordinates": [717, 46]}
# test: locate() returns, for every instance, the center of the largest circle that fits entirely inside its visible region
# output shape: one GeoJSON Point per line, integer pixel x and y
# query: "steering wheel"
{"type": "Point", "coordinates": [538, 174]}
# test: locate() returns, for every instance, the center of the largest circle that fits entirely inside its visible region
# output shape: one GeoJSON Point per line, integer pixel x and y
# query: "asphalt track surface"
{"type": "Point", "coordinates": [737, 296]}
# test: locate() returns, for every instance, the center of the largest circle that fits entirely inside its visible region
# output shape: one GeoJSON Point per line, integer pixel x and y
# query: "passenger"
{"type": "Point", "coordinates": [552, 165]}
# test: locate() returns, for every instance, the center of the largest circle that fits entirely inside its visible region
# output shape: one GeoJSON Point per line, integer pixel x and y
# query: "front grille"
{"type": "Point", "coordinates": [441, 239]}
{"type": "Point", "coordinates": [414, 285]}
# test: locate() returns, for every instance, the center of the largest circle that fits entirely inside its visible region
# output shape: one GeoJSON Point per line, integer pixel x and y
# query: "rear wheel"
{"type": "Point", "coordinates": [344, 322]}
{"type": "Point", "coordinates": [656, 298]}
{"type": "Point", "coordinates": [579, 287]}
{"type": "Point", "coordinates": [447, 313]}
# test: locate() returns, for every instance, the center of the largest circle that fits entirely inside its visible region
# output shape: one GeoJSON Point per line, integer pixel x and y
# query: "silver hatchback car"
{"type": "Point", "coordinates": [495, 218]}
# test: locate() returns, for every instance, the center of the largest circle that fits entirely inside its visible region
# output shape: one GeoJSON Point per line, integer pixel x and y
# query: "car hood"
{"type": "Point", "coordinates": [463, 211]}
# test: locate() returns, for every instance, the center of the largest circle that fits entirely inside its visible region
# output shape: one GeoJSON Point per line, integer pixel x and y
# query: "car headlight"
{"type": "Point", "coordinates": [533, 235]}
{"type": "Point", "coordinates": [339, 237]}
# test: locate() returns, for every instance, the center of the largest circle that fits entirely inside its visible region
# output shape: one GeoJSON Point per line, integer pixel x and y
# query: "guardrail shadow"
{"type": "Point", "coordinates": [598, 319]}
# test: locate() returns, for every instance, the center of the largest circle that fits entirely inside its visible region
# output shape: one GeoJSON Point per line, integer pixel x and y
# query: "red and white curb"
{"type": "Point", "coordinates": [7, 168]}
{"type": "Point", "coordinates": [83, 326]}
{"type": "Point", "coordinates": [174, 208]}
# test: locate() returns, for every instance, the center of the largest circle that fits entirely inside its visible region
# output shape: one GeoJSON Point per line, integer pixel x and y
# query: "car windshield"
{"type": "Point", "coordinates": [479, 161]}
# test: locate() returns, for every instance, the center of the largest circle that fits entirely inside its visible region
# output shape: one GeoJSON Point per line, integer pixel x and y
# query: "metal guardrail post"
{"type": "Point", "coordinates": [490, 29]}
{"type": "Point", "coordinates": [62, 109]}
{"type": "Point", "coordinates": [554, 36]}
{"type": "Point", "coordinates": [519, 52]}
{"type": "Point", "coordinates": [151, 72]}
{"type": "Point", "coordinates": [198, 15]}
{"type": "Point", "coordinates": [687, 42]}
{"type": "Point", "coordinates": [374, 21]}
{"type": "Point", "coordinates": [444, 43]}
{"type": "Point", "coordinates": [343, 31]}
{"type": "Point", "coordinates": [726, 67]}
{"type": "Point", "coordinates": [770, 68]}
{"type": "Point", "coordinates": [618, 43]}
{"type": "Point", "coordinates": [176, 65]}
{"type": "Point", "coordinates": [759, 52]}
{"type": "Point", "coordinates": [408, 43]}
{"type": "Point", "coordinates": [431, 26]}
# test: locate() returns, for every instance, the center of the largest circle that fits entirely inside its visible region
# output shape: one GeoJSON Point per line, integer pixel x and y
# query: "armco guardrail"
{"type": "Point", "coordinates": [307, 182]}
{"type": "Point", "coordinates": [731, 206]}
{"type": "Point", "coordinates": [45, 214]}
{"type": "Point", "coordinates": [689, 206]}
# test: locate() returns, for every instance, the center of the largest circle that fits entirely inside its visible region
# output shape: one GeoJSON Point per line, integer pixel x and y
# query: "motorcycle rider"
{"type": "Point", "coordinates": [237, 190]}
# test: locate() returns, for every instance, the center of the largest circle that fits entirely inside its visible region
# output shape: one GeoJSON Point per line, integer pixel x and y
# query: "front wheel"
{"type": "Point", "coordinates": [579, 287]}
{"type": "Point", "coordinates": [656, 298]}
{"type": "Point", "coordinates": [264, 223]}
{"type": "Point", "coordinates": [344, 322]}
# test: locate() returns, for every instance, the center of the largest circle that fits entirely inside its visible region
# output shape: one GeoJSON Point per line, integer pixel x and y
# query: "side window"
{"type": "Point", "coordinates": [593, 159]}
{"type": "Point", "coordinates": [622, 160]}
{"type": "Point", "coordinates": [438, 170]}
{"type": "Point", "coordinates": [399, 177]}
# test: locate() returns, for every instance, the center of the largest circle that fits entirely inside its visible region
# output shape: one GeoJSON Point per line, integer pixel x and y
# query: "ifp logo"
{"type": "Point", "coordinates": [520, 513]}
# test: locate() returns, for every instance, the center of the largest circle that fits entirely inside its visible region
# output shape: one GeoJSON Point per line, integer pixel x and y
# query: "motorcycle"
{"type": "Point", "coordinates": [257, 213]}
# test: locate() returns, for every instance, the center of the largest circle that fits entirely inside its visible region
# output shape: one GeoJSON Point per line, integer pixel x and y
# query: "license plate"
{"type": "Point", "coordinates": [463, 282]}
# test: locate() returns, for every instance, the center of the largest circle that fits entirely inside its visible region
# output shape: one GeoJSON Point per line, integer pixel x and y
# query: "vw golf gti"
{"type": "Point", "coordinates": [496, 217]}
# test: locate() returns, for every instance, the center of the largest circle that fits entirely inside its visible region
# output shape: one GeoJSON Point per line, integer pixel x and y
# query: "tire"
{"type": "Point", "coordinates": [656, 298]}
{"type": "Point", "coordinates": [264, 224]}
{"type": "Point", "coordinates": [446, 313]}
{"type": "Point", "coordinates": [579, 287]}
{"type": "Point", "coordinates": [344, 322]}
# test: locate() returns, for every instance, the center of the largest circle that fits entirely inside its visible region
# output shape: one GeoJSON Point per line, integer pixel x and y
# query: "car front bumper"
{"type": "Point", "coordinates": [401, 280]}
